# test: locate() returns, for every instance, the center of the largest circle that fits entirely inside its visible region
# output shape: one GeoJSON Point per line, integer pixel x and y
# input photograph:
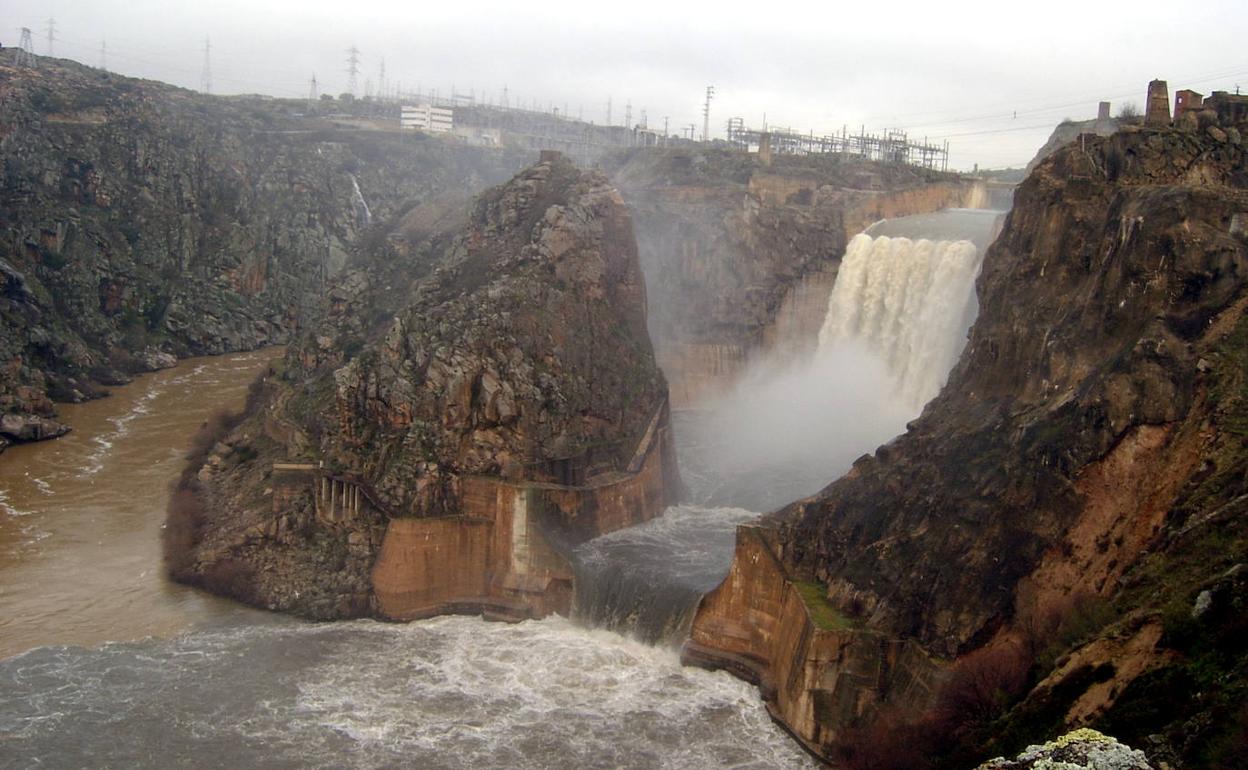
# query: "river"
{"type": "Point", "coordinates": [111, 665]}
{"type": "Point", "coordinates": [80, 516]}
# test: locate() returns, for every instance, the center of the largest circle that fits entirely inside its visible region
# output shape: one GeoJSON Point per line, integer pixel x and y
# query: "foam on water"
{"type": "Point", "coordinates": [446, 693]}
{"type": "Point", "coordinates": [8, 509]}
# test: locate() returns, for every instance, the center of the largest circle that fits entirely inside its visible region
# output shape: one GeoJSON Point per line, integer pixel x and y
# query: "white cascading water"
{"type": "Point", "coordinates": [363, 215]}
{"type": "Point", "coordinates": [909, 303]}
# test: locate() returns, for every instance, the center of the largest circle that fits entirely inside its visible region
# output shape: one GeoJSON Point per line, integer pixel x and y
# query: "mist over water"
{"type": "Point", "coordinates": [784, 433]}
{"type": "Point", "coordinates": [907, 303]}
{"type": "Point", "coordinates": [896, 323]}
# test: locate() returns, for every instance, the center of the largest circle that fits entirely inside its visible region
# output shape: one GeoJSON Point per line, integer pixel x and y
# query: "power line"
{"type": "Point", "coordinates": [205, 78]}
{"type": "Point", "coordinates": [51, 29]}
{"type": "Point", "coordinates": [353, 68]}
{"type": "Point", "coordinates": [25, 53]}
{"type": "Point", "coordinates": [706, 114]}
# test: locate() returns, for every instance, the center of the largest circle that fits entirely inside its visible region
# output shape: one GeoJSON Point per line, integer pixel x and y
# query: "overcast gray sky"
{"type": "Point", "coordinates": [992, 78]}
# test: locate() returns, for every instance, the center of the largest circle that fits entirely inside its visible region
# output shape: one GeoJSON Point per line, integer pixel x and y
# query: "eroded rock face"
{"type": "Point", "coordinates": [141, 222]}
{"type": "Point", "coordinates": [1096, 304]}
{"type": "Point", "coordinates": [1086, 448]}
{"type": "Point", "coordinates": [508, 385]}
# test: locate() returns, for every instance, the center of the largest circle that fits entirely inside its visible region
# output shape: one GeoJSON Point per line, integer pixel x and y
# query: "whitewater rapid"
{"type": "Point", "coordinates": [441, 694]}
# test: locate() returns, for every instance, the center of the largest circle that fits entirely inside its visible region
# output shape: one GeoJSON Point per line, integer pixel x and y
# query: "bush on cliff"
{"type": "Point", "coordinates": [186, 511]}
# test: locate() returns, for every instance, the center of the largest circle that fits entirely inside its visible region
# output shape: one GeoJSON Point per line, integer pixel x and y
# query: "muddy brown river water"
{"type": "Point", "coordinates": [105, 663]}
{"type": "Point", "coordinates": [80, 516]}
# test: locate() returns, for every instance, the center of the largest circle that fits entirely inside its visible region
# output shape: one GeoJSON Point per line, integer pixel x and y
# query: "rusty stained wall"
{"type": "Point", "coordinates": [425, 564]}
{"type": "Point", "coordinates": [498, 556]}
{"type": "Point", "coordinates": [623, 500]}
{"type": "Point", "coordinates": [815, 680]}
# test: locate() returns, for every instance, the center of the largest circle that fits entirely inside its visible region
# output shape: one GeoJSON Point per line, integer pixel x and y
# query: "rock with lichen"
{"type": "Point", "coordinates": [1083, 749]}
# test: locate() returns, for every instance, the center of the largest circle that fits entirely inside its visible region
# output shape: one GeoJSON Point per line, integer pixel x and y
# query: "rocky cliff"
{"type": "Point", "coordinates": [448, 425]}
{"type": "Point", "coordinates": [1066, 519]}
{"type": "Point", "coordinates": [731, 248]}
{"type": "Point", "coordinates": [1069, 130]}
{"type": "Point", "coordinates": [141, 222]}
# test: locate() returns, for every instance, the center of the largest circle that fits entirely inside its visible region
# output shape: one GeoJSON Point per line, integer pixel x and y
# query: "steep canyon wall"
{"type": "Point", "coordinates": [1087, 447]}
{"type": "Point", "coordinates": [140, 222]}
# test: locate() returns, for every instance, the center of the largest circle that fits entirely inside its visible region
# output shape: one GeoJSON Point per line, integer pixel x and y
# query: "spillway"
{"type": "Point", "coordinates": [907, 302]}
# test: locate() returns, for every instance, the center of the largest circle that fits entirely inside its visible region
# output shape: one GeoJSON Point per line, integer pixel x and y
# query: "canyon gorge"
{"type": "Point", "coordinates": [766, 461]}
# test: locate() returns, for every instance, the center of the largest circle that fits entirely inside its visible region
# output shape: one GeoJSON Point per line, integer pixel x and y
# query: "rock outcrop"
{"type": "Point", "coordinates": [437, 439]}
{"type": "Point", "coordinates": [1068, 131]}
{"type": "Point", "coordinates": [740, 258]}
{"type": "Point", "coordinates": [141, 222]}
{"type": "Point", "coordinates": [1073, 489]}
{"type": "Point", "coordinates": [1082, 749]}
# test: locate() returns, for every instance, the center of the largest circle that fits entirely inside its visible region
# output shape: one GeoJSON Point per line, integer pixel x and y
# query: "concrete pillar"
{"type": "Point", "coordinates": [764, 149]}
{"type": "Point", "coordinates": [520, 532]}
{"type": "Point", "coordinates": [1158, 110]}
{"type": "Point", "coordinates": [1102, 111]}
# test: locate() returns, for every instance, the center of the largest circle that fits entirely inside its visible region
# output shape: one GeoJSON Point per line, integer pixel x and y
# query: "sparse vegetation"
{"type": "Point", "coordinates": [822, 613]}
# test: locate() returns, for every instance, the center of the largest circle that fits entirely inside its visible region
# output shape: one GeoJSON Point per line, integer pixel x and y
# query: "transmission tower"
{"type": "Point", "coordinates": [51, 30]}
{"type": "Point", "coordinates": [26, 50]}
{"type": "Point", "coordinates": [312, 92]}
{"type": "Point", "coordinates": [706, 114]}
{"type": "Point", "coordinates": [353, 68]}
{"type": "Point", "coordinates": [608, 110]}
{"type": "Point", "coordinates": [628, 114]}
{"type": "Point", "coordinates": [104, 55]}
{"type": "Point", "coordinates": [205, 78]}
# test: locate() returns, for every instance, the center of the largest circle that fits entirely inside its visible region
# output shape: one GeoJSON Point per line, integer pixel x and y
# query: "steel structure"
{"type": "Point", "coordinates": [889, 146]}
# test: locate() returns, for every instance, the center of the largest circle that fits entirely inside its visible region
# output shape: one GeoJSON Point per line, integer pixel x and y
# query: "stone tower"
{"type": "Point", "coordinates": [1158, 111]}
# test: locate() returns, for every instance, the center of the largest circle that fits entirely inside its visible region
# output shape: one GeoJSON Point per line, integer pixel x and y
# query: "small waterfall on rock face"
{"type": "Point", "coordinates": [363, 216]}
{"type": "Point", "coordinates": [908, 302]}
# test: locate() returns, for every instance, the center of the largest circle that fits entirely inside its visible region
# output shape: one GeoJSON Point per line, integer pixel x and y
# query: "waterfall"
{"type": "Point", "coordinates": [910, 302]}
{"type": "Point", "coordinates": [363, 216]}
{"type": "Point", "coordinates": [646, 581]}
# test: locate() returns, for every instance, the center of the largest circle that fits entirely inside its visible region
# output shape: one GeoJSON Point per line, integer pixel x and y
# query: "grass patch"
{"type": "Point", "coordinates": [822, 613]}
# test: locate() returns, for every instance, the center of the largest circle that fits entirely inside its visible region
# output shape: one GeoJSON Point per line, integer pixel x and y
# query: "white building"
{"type": "Point", "coordinates": [426, 117]}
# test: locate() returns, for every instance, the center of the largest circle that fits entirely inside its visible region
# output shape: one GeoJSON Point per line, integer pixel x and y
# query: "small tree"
{"type": "Point", "coordinates": [1128, 111]}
